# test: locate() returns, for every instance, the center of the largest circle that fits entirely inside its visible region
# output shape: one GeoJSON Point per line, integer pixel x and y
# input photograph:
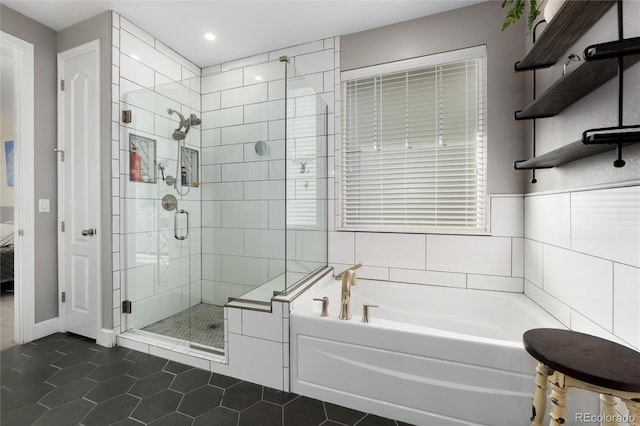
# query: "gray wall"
{"type": "Point", "coordinates": [46, 248]}
{"type": "Point", "coordinates": [460, 28]}
{"type": "Point", "coordinates": [99, 27]}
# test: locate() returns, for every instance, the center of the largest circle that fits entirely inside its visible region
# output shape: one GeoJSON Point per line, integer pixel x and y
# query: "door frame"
{"type": "Point", "coordinates": [24, 189]}
{"type": "Point", "coordinates": [92, 46]}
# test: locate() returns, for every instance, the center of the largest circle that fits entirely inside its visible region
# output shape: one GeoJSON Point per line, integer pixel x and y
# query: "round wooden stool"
{"type": "Point", "coordinates": [571, 359]}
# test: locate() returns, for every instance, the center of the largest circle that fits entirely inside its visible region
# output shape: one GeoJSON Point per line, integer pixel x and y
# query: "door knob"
{"type": "Point", "coordinates": [88, 232]}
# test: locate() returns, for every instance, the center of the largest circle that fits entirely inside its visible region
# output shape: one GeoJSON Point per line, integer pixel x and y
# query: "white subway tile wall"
{"type": "Point", "coordinates": [582, 255]}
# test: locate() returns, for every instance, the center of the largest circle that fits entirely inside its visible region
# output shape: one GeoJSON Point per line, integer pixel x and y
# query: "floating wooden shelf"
{"type": "Point", "coordinates": [569, 88]}
{"type": "Point", "coordinates": [572, 21]}
{"type": "Point", "coordinates": [594, 144]}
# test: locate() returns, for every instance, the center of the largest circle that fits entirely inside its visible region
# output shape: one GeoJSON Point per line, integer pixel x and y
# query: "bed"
{"type": "Point", "coordinates": [6, 255]}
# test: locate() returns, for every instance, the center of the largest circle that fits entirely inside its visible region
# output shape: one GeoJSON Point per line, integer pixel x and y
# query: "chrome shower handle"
{"type": "Point", "coordinates": [175, 225]}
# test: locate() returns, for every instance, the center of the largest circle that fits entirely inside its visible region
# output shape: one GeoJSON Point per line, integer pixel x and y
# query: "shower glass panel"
{"type": "Point", "coordinates": [162, 225]}
{"type": "Point", "coordinates": [223, 196]}
{"type": "Point", "coordinates": [306, 179]}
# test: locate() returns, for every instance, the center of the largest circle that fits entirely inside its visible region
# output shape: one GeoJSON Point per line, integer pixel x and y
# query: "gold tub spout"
{"type": "Point", "coordinates": [348, 279]}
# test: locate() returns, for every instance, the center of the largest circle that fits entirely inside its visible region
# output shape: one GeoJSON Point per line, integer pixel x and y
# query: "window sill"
{"type": "Point", "coordinates": [443, 231]}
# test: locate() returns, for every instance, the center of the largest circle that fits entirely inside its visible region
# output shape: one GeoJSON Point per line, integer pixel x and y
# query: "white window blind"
{"type": "Point", "coordinates": [413, 145]}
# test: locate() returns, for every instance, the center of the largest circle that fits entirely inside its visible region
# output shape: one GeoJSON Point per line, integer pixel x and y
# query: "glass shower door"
{"type": "Point", "coordinates": [161, 229]}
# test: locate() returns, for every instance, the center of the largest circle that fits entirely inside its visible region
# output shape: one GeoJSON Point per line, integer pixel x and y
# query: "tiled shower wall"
{"type": "Point", "coordinates": [244, 192]}
{"type": "Point", "coordinates": [582, 252]}
{"type": "Point", "coordinates": [142, 229]}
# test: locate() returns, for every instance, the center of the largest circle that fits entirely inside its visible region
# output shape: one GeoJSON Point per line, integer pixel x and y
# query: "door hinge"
{"type": "Point", "coordinates": [21, 232]}
{"type": "Point", "coordinates": [61, 226]}
{"type": "Point", "coordinates": [126, 306]}
{"type": "Point", "coordinates": [126, 116]}
{"type": "Point", "coordinates": [63, 296]}
{"type": "Point", "coordinates": [62, 85]}
{"type": "Point", "coordinates": [61, 153]}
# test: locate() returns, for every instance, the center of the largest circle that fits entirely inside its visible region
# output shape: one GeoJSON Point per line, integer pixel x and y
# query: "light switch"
{"type": "Point", "coordinates": [43, 205]}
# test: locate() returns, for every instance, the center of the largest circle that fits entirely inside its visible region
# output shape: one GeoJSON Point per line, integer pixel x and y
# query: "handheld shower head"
{"type": "Point", "coordinates": [194, 120]}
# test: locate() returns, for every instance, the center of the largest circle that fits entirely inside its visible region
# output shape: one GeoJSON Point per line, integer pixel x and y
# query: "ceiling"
{"type": "Point", "coordinates": [242, 28]}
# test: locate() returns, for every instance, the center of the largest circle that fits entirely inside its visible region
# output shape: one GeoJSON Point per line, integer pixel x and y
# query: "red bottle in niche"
{"type": "Point", "coordinates": [135, 165]}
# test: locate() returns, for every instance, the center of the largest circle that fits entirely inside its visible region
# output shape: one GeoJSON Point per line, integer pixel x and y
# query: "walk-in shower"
{"type": "Point", "coordinates": [245, 214]}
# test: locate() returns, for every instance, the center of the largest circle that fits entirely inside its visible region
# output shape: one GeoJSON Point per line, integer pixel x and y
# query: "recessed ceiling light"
{"type": "Point", "coordinates": [134, 56]}
{"type": "Point", "coordinates": [257, 78]}
{"type": "Point", "coordinates": [210, 36]}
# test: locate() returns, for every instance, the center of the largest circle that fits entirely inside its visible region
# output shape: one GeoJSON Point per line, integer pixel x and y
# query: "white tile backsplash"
{"type": "Point", "coordinates": [507, 216]}
{"type": "Point", "coordinates": [548, 219]}
{"type": "Point", "coordinates": [469, 254]}
{"type": "Point", "coordinates": [492, 282]}
{"type": "Point", "coordinates": [393, 250]}
{"type": "Point", "coordinates": [626, 299]}
{"type": "Point", "coordinates": [549, 303]}
{"type": "Point", "coordinates": [342, 247]}
{"type": "Point", "coordinates": [447, 279]}
{"type": "Point", "coordinates": [517, 257]}
{"type": "Point", "coordinates": [585, 283]}
{"type": "Point", "coordinates": [606, 224]}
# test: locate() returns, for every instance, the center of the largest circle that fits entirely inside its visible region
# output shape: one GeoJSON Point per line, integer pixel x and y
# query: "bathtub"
{"type": "Point", "coordinates": [430, 355]}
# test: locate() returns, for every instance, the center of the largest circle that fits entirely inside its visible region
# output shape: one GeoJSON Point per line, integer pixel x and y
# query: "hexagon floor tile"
{"type": "Point", "coordinates": [66, 379]}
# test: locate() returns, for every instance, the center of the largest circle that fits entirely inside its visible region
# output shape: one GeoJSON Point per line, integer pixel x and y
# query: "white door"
{"type": "Point", "coordinates": [79, 187]}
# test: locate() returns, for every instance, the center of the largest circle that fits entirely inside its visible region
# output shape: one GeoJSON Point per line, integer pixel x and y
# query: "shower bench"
{"type": "Point", "coordinates": [570, 359]}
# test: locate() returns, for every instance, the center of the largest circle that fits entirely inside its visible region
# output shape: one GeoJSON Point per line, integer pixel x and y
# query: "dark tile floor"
{"type": "Point", "coordinates": [69, 380]}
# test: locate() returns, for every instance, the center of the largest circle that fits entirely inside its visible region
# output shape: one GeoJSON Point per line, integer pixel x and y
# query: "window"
{"type": "Point", "coordinates": [413, 145]}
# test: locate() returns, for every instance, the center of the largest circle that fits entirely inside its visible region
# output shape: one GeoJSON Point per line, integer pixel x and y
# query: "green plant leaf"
{"type": "Point", "coordinates": [517, 9]}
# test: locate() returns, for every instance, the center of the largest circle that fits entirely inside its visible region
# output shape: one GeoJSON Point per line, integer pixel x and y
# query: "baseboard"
{"type": "Point", "coordinates": [106, 338]}
{"type": "Point", "coordinates": [45, 328]}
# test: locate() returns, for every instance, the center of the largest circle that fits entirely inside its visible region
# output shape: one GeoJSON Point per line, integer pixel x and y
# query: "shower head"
{"type": "Point", "coordinates": [179, 134]}
{"type": "Point", "coordinates": [194, 120]}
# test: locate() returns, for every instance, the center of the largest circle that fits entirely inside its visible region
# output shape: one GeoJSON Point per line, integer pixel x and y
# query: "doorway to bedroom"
{"type": "Point", "coordinates": [16, 190]}
{"type": "Point", "coordinates": [7, 138]}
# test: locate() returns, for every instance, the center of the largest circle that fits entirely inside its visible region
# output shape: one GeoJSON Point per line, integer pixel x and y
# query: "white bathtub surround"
{"type": "Point", "coordinates": [582, 259]}
{"type": "Point", "coordinates": [491, 262]}
{"type": "Point", "coordinates": [425, 350]}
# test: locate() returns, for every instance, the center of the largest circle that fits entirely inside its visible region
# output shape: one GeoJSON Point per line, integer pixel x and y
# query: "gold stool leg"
{"type": "Point", "coordinates": [634, 412]}
{"type": "Point", "coordinates": [558, 401]}
{"type": "Point", "coordinates": [539, 405]}
{"type": "Point", "coordinates": [608, 410]}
